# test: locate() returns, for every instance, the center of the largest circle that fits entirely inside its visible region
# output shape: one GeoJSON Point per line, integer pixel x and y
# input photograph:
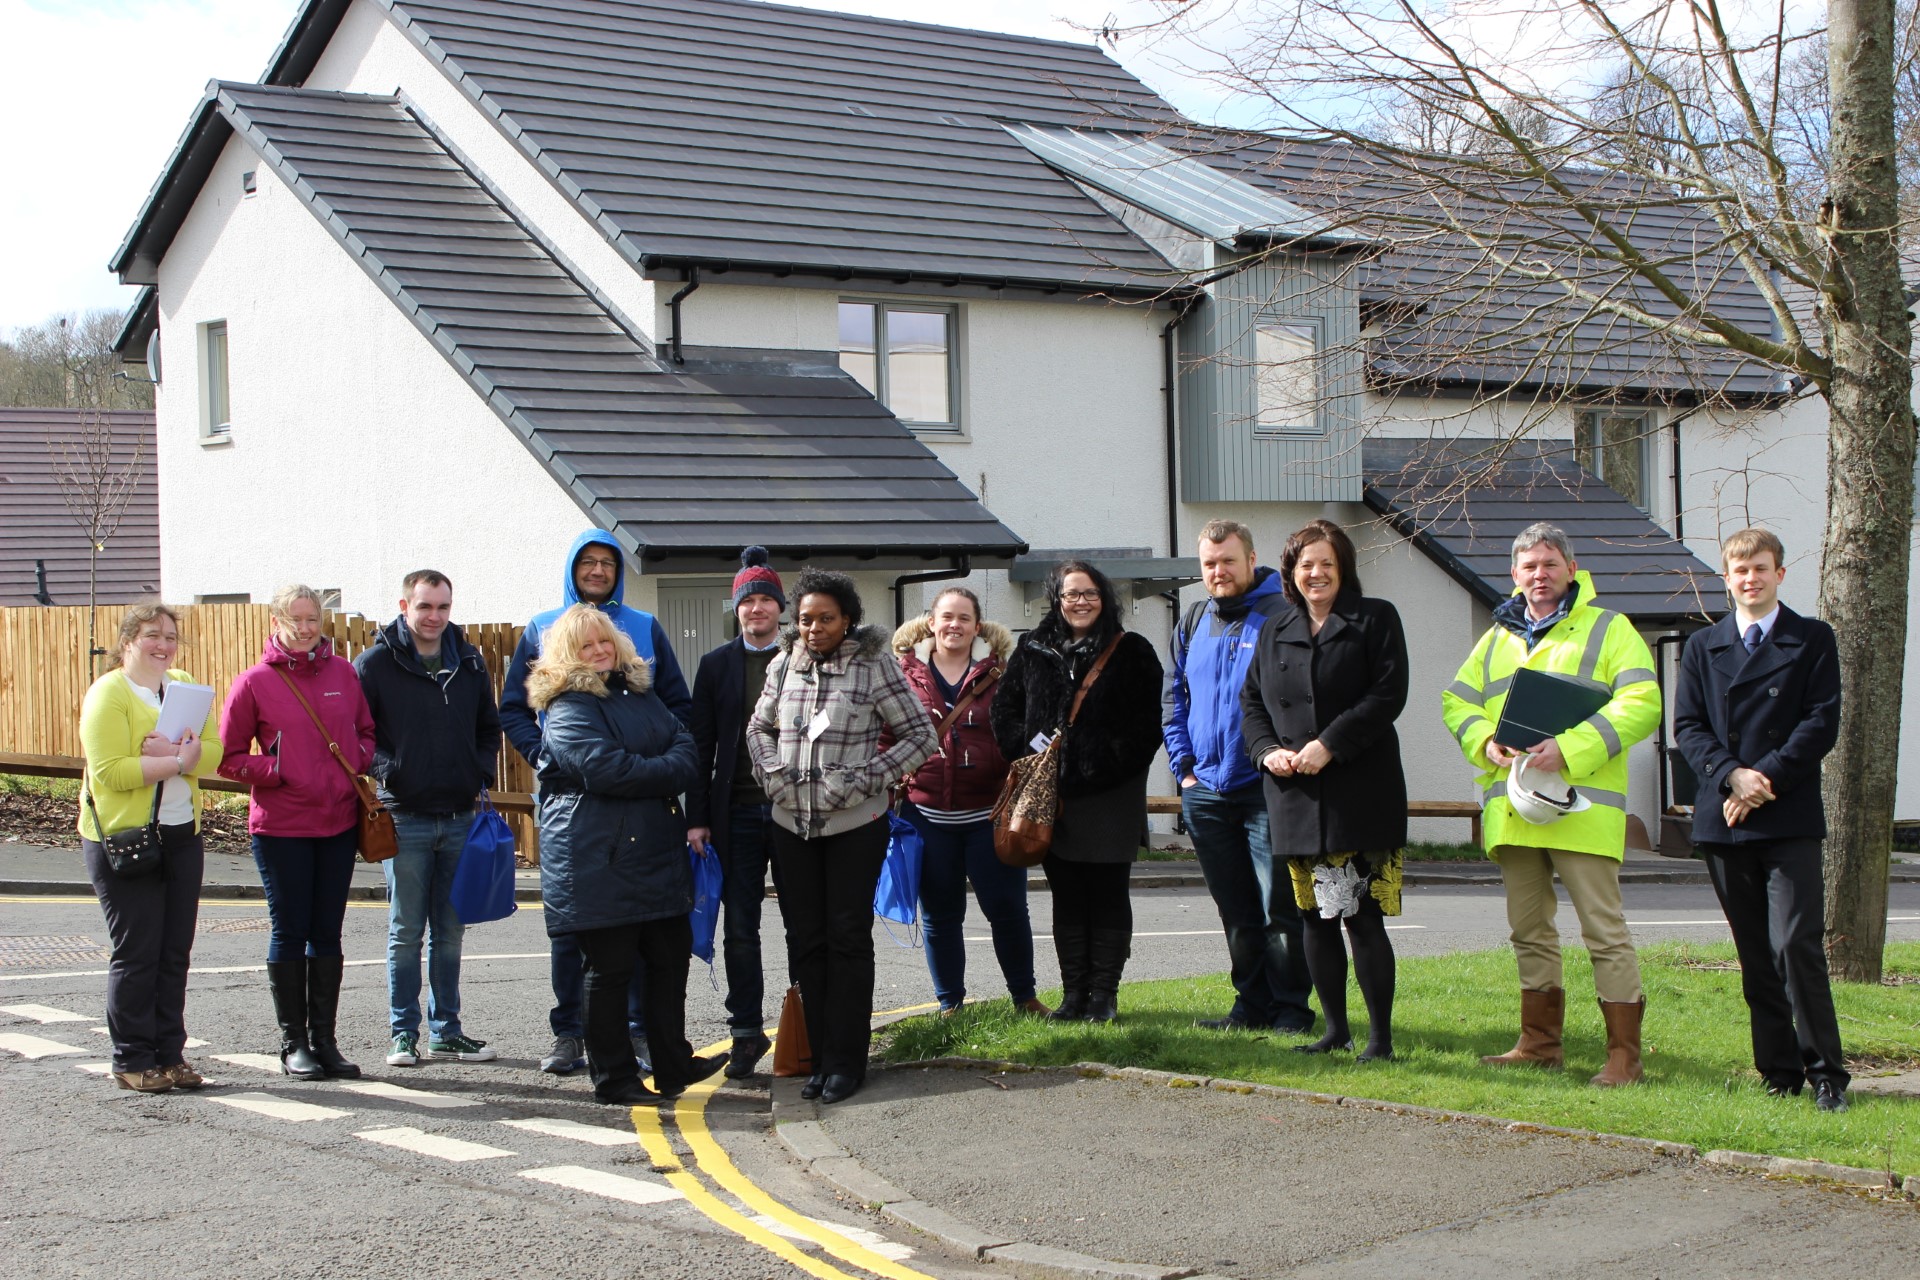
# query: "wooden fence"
{"type": "Point", "coordinates": [45, 671]}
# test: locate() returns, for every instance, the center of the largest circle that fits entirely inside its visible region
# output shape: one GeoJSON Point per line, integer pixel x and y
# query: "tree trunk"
{"type": "Point", "coordinates": [1870, 460]}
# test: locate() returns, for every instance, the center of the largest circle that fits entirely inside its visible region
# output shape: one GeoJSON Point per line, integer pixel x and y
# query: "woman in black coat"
{"type": "Point", "coordinates": [1317, 711]}
{"type": "Point", "coordinates": [613, 847]}
{"type": "Point", "coordinates": [1103, 772]}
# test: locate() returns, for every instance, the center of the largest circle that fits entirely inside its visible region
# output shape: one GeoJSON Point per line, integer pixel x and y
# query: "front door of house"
{"type": "Point", "coordinates": [696, 616]}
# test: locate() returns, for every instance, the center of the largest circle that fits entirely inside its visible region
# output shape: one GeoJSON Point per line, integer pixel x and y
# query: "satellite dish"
{"type": "Point", "coordinates": [153, 355]}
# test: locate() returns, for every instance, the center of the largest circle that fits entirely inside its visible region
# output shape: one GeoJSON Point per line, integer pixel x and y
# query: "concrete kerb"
{"type": "Point", "coordinates": [810, 1143]}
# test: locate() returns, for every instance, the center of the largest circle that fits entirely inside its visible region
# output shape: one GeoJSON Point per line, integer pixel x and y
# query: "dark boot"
{"type": "Point", "coordinates": [288, 981]}
{"type": "Point", "coordinates": [323, 1006]}
{"type": "Point", "coordinates": [1107, 952]}
{"type": "Point", "coordinates": [1543, 1016]}
{"type": "Point", "coordinates": [1070, 945]}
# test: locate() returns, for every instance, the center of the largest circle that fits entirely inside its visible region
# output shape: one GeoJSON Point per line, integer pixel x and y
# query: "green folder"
{"type": "Point", "coordinates": [1541, 705]}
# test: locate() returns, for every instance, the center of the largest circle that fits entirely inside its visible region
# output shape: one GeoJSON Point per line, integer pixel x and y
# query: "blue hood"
{"type": "Point", "coordinates": [571, 594]}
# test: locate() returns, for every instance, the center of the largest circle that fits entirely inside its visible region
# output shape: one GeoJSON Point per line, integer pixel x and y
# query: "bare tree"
{"type": "Point", "coordinates": [68, 362]}
{"type": "Point", "coordinates": [97, 468]}
{"type": "Point", "coordinates": [1590, 183]}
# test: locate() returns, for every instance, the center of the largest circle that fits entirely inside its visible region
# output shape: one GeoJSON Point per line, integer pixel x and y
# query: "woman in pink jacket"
{"type": "Point", "coordinates": [303, 816]}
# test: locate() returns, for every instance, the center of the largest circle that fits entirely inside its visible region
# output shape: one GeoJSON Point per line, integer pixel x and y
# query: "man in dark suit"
{"type": "Point", "coordinates": [726, 807]}
{"type": "Point", "coordinates": [1757, 709]}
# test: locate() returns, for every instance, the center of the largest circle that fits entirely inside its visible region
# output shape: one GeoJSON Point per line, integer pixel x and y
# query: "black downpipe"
{"type": "Point", "coordinates": [673, 306]}
{"type": "Point", "coordinates": [960, 570]}
{"type": "Point", "coordinates": [1170, 415]}
{"type": "Point", "coordinates": [40, 591]}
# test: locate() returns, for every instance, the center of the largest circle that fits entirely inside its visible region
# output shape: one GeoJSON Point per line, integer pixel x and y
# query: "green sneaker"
{"type": "Point", "coordinates": [462, 1049]}
{"type": "Point", "coordinates": [405, 1051]}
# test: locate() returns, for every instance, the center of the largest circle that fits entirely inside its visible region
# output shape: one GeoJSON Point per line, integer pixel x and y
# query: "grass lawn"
{"type": "Point", "coordinates": [1700, 1089]}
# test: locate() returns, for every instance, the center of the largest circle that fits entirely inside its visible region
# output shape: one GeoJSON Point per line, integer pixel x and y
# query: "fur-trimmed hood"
{"type": "Point", "coordinates": [862, 643]}
{"type": "Point", "coordinates": [915, 636]}
{"type": "Point", "coordinates": [547, 681]}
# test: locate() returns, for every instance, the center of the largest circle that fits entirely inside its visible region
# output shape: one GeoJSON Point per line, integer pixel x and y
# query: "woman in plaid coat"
{"type": "Point", "coordinates": [815, 738]}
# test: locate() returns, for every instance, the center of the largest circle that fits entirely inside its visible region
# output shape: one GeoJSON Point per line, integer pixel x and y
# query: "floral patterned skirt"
{"type": "Point", "coordinates": [1334, 884]}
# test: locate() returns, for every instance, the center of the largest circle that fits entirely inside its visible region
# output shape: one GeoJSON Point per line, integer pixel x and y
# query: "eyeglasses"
{"type": "Point", "coordinates": [589, 562]}
{"type": "Point", "coordinates": [1079, 597]}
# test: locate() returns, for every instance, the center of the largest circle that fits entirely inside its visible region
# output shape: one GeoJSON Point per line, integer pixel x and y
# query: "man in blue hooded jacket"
{"type": "Point", "coordinates": [1220, 796]}
{"type": "Point", "coordinates": [595, 575]}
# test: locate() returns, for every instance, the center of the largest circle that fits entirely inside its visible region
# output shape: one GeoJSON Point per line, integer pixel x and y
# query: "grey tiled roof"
{"type": "Point", "coordinates": [1462, 501]}
{"type": "Point", "coordinates": [1476, 328]}
{"type": "Point", "coordinates": [794, 138]}
{"type": "Point", "coordinates": [35, 523]}
{"type": "Point", "coordinates": [681, 464]}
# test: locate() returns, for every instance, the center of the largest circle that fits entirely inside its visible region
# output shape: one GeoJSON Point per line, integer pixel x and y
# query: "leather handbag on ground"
{"type": "Point", "coordinates": [1029, 802]}
{"type": "Point", "coordinates": [135, 852]}
{"type": "Point", "coordinates": [792, 1052]}
{"type": "Point", "coordinates": [377, 839]}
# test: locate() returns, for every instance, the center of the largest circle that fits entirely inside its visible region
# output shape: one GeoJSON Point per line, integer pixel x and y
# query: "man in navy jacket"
{"type": "Point", "coordinates": [726, 807]}
{"type": "Point", "coordinates": [1221, 798]}
{"type": "Point", "coordinates": [1757, 709]}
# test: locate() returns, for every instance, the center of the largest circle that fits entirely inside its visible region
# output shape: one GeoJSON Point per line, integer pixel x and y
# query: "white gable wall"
{"type": "Point", "coordinates": [357, 452]}
{"type": "Point", "coordinates": [369, 54]}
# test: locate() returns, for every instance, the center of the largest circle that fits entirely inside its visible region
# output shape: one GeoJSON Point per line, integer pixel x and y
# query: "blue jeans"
{"type": "Point", "coordinates": [954, 856]}
{"type": "Point", "coordinates": [569, 975]}
{"type": "Point", "coordinates": [420, 901]}
{"type": "Point", "coordinates": [743, 891]}
{"type": "Point", "coordinates": [306, 879]}
{"type": "Point", "coordinates": [1265, 948]}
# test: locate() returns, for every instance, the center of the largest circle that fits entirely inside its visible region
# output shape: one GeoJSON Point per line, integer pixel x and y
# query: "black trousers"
{"type": "Point", "coordinates": [663, 948]}
{"type": "Point", "coordinates": [150, 922]}
{"type": "Point", "coordinates": [1776, 905]}
{"type": "Point", "coordinates": [826, 898]}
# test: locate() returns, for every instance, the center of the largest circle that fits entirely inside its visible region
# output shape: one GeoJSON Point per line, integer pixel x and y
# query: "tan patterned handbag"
{"type": "Point", "coordinates": [1029, 802]}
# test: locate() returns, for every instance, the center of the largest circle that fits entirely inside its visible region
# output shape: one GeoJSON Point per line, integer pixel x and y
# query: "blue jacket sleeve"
{"type": "Point", "coordinates": [702, 721]}
{"type": "Point", "coordinates": [577, 740]}
{"type": "Point", "coordinates": [668, 684]}
{"type": "Point", "coordinates": [1174, 702]}
{"type": "Point", "coordinates": [517, 719]}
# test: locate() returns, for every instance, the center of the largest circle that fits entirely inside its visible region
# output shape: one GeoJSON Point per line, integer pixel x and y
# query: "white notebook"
{"type": "Point", "coordinates": [185, 707]}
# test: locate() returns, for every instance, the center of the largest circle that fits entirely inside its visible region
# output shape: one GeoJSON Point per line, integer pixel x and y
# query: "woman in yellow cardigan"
{"type": "Point", "coordinates": [150, 919]}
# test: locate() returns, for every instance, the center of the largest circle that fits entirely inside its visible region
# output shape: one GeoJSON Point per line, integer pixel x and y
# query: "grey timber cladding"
{"type": "Point", "coordinates": [754, 134]}
{"type": "Point", "coordinates": [680, 464]}
{"type": "Point", "coordinates": [36, 524]}
{"type": "Point", "coordinates": [1225, 456]}
{"type": "Point", "coordinates": [1462, 501]}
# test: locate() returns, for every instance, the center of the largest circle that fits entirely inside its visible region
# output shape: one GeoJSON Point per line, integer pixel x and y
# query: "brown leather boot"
{"type": "Point", "coordinates": [1623, 1043]}
{"type": "Point", "coordinates": [1542, 1016]}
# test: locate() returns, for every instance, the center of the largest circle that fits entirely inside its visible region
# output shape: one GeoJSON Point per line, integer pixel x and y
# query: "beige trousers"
{"type": "Point", "coordinates": [1593, 883]}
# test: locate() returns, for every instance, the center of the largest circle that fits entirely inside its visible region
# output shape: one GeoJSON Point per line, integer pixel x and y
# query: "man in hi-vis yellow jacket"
{"type": "Point", "coordinates": [1553, 623]}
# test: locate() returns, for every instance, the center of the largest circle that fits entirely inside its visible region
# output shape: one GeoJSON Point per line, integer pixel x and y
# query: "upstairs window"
{"type": "Point", "coordinates": [1612, 444]}
{"type": "Point", "coordinates": [906, 356]}
{"type": "Point", "coordinates": [216, 416]}
{"type": "Point", "coordinates": [1287, 377]}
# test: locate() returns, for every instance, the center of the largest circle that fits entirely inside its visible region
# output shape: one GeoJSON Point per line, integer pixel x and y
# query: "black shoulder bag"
{"type": "Point", "coordinates": [135, 852]}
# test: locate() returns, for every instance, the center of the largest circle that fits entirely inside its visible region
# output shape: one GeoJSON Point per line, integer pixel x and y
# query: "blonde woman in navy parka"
{"type": "Point", "coordinates": [613, 847]}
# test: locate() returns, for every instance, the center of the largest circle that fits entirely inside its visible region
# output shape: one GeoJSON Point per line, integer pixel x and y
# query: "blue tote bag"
{"type": "Point", "coordinates": [483, 882]}
{"type": "Point", "coordinates": [705, 865]}
{"type": "Point", "coordinates": [897, 897]}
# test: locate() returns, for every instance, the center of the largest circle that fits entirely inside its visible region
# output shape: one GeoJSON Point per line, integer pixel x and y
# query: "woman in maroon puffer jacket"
{"type": "Point", "coordinates": [947, 655]}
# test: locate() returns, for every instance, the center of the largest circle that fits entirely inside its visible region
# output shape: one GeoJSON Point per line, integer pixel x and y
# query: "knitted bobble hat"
{"type": "Point", "coordinates": [756, 577]}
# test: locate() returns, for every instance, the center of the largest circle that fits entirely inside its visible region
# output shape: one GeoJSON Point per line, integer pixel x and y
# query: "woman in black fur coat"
{"type": "Point", "coordinates": [1103, 772]}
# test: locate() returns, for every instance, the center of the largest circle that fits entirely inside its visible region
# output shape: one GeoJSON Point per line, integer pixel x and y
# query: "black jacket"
{"type": "Point", "coordinates": [1777, 711]}
{"type": "Point", "coordinates": [436, 738]}
{"type": "Point", "coordinates": [613, 842]}
{"type": "Point", "coordinates": [718, 718]}
{"type": "Point", "coordinates": [1345, 687]}
{"type": "Point", "coordinates": [1118, 731]}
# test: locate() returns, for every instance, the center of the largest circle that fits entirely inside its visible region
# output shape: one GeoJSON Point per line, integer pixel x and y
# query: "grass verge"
{"type": "Point", "coordinates": [1701, 1087]}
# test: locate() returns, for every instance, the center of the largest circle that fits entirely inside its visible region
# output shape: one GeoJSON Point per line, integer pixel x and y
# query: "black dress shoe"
{"type": "Point", "coordinates": [1828, 1096]}
{"type": "Point", "coordinates": [1228, 1023]}
{"type": "Point", "coordinates": [812, 1088]}
{"type": "Point", "coordinates": [1783, 1089]}
{"type": "Point", "coordinates": [840, 1088]}
{"type": "Point", "coordinates": [626, 1093]}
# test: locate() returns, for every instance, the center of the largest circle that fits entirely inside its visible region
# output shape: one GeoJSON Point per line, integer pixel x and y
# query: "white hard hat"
{"type": "Point", "coordinates": [1540, 796]}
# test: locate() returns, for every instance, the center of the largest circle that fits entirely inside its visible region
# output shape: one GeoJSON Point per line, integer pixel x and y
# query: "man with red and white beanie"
{"type": "Point", "coordinates": [726, 807]}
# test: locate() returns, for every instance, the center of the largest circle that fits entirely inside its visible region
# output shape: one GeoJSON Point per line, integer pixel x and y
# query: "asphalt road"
{"type": "Point", "coordinates": [98, 1182]}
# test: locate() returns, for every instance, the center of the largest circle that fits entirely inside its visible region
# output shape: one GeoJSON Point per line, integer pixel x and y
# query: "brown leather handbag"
{"type": "Point", "coordinates": [792, 1053]}
{"type": "Point", "coordinates": [1029, 802]}
{"type": "Point", "coordinates": [377, 839]}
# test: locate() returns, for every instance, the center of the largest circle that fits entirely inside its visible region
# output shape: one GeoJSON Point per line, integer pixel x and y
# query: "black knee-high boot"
{"type": "Point", "coordinates": [1373, 969]}
{"type": "Point", "coordinates": [287, 979]}
{"type": "Point", "coordinates": [1327, 966]}
{"type": "Point", "coordinates": [1070, 946]}
{"type": "Point", "coordinates": [323, 1007]}
{"type": "Point", "coordinates": [1108, 949]}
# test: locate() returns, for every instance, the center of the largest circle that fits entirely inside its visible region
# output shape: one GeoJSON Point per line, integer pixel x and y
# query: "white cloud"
{"type": "Point", "coordinates": [97, 92]}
